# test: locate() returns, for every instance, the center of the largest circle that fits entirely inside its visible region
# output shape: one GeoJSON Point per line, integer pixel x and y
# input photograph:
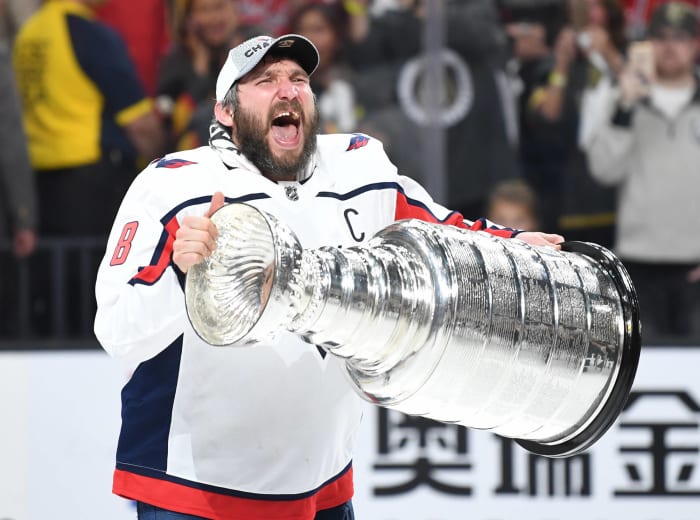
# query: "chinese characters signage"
{"type": "Point", "coordinates": [645, 467]}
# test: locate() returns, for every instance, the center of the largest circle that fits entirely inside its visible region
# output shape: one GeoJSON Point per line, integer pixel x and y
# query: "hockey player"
{"type": "Point", "coordinates": [262, 432]}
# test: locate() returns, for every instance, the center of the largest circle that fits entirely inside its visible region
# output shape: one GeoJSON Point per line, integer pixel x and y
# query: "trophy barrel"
{"type": "Point", "coordinates": [531, 343]}
{"type": "Point", "coordinates": [629, 350]}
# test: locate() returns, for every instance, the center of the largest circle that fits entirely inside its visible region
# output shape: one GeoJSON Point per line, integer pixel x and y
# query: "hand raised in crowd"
{"type": "Point", "coordinates": [633, 87]}
{"type": "Point", "coordinates": [529, 40]}
{"type": "Point", "coordinates": [598, 41]}
{"type": "Point", "coordinates": [537, 238]}
{"type": "Point", "coordinates": [195, 240]}
{"type": "Point", "coordinates": [201, 55]}
{"type": "Point", "coordinates": [564, 49]}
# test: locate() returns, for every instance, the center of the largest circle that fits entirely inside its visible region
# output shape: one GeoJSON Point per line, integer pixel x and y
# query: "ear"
{"type": "Point", "coordinates": [223, 115]}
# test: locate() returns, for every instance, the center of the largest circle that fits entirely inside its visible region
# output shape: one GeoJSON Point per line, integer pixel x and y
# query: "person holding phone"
{"type": "Point", "coordinates": [588, 47]}
{"type": "Point", "coordinates": [641, 60]}
{"type": "Point", "coordinates": [649, 148]}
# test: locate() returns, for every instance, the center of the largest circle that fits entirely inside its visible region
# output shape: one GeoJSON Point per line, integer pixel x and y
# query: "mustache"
{"type": "Point", "coordinates": [287, 106]}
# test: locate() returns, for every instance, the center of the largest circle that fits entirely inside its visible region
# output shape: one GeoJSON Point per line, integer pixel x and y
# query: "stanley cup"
{"type": "Point", "coordinates": [531, 343]}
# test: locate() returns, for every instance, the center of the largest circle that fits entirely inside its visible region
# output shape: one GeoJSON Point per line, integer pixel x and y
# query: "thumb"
{"type": "Point", "coordinates": [217, 202]}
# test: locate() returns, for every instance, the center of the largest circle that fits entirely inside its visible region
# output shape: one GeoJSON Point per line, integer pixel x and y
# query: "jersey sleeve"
{"type": "Point", "coordinates": [104, 58]}
{"type": "Point", "coordinates": [413, 201]}
{"type": "Point", "coordinates": [140, 301]}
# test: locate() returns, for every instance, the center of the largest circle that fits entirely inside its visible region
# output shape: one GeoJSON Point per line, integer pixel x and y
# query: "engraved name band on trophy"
{"type": "Point", "coordinates": [530, 343]}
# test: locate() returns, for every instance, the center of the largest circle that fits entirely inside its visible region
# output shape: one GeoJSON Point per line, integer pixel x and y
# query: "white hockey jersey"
{"type": "Point", "coordinates": [263, 432]}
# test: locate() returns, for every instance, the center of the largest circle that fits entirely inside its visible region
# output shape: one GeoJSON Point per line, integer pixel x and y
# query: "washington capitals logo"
{"type": "Point", "coordinates": [173, 163]}
{"type": "Point", "coordinates": [357, 141]}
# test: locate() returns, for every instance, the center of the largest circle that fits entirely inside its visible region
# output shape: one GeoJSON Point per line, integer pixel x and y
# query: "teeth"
{"type": "Point", "coordinates": [292, 115]}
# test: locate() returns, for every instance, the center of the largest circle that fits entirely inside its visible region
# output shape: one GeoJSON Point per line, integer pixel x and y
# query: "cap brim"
{"type": "Point", "coordinates": [298, 48]}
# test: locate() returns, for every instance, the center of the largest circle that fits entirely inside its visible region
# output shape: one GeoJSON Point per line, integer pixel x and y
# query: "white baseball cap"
{"type": "Point", "coordinates": [243, 58]}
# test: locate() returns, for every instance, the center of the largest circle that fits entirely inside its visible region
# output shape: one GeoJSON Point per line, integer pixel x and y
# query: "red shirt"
{"type": "Point", "coordinates": [143, 24]}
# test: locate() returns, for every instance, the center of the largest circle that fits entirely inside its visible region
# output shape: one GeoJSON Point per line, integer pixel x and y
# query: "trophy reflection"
{"type": "Point", "coordinates": [458, 326]}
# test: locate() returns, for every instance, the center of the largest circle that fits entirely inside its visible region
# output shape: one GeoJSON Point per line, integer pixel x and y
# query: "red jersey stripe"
{"type": "Point", "coordinates": [407, 208]}
{"type": "Point", "coordinates": [199, 502]}
{"type": "Point", "coordinates": [152, 273]}
{"type": "Point", "coordinates": [482, 225]}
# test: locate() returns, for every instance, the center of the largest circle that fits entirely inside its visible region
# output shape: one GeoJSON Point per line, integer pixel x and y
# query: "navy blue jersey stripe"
{"type": "Point", "coordinates": [147, 410]}
{"type": "Point", "coordinates": [207, 198]}
{"type": "Point", "coordinates": [377, 186]}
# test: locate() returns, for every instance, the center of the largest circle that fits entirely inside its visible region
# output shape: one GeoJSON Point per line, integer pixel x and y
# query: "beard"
{"type": "Point", "coordinates": [251, 134]}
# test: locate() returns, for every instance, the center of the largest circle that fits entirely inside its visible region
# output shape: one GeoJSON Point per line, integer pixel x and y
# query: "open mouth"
{"type": "Point", "coordinates": [285, 127]}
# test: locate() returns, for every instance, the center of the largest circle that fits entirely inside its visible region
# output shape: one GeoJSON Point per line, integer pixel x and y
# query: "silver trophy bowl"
{"type": "Point", "coordinates": [531, 343]}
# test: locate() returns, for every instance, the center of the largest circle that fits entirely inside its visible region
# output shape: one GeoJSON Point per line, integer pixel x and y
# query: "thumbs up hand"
{"type": "Point", "coordinates": [195, 240]}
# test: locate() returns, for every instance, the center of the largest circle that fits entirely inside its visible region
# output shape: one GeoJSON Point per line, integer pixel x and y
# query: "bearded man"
{"type": "Point", "coordinates": [264, 432]}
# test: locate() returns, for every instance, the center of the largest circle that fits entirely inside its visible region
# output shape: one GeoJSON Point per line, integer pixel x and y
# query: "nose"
{"type": "Point", "coordinates": [288, 89]}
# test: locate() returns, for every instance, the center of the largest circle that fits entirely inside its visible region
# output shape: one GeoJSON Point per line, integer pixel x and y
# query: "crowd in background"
{"type": "Point", "coordinates": [551, 121]}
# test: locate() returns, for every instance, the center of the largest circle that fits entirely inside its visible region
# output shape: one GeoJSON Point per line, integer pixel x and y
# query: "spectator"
{"type": "Point", "coordinates": [648, 148]}
{"type": "Point", "coordinates": [88, 123]}
{"type": "Point", "coordinates": [479, 114]}
{"type": "Point", "coordinates": [187, 77]}
{"type": "Point", "coordinates": [87, 117]}
{"type": "Point", "coordinates": [513, 204]}
{"type": "Point", "coordinates": [272, 16]}
{"type": "Point", "coordinates": [324, 25]}
{"type": "Point", "coordinates": [18, 216]}
{"type": "Point", "coordinates": [531, 30]}
{"type": "Point", "coordinates": [588, 48]}
{"type": "Point", "coordinates": [18, 212]}
{"type": "Point", "coordinates": [638, 13]}
{"type": "Point", "coordinates": [145, 28]}
{"type": "Point", "coordinates": [528, 40]}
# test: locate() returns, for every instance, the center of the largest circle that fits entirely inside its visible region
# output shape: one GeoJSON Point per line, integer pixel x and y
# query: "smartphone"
{"type": "Point", "coordinates": [640, 58]}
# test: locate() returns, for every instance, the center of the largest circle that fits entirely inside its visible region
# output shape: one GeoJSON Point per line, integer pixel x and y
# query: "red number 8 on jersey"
{"type": "Point", "coordinates": [124, 244]}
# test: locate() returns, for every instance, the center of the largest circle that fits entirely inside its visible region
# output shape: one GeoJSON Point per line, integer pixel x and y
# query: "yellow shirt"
{"type": "Point", "coordinates": [78, 87]}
